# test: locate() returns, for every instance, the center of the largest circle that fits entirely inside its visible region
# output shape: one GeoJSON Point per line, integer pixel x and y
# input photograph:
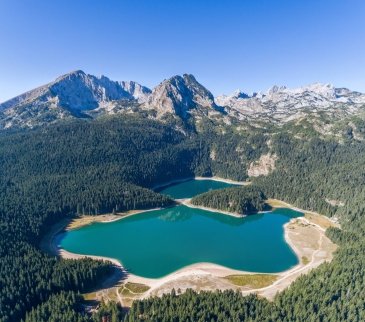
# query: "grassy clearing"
{"type": "Point", "coordinates": [276, 203]}
{"type": "Point", "coordinates": [89, 296]}
{"type": "Point", "coordinates": [321, 221]}
{"type": "Point", "coordinates": [305, 260]}
{"type": "Point", "coordinates": [137, 288]}
{"type": "Point", "coordinates": [126, 292]}
{"type": "Point", "coordinates": [132, 289]}
{"type": "Point", "coordinates": [87, 220]}
{"type": "Point", "coordinates": [252, 280]}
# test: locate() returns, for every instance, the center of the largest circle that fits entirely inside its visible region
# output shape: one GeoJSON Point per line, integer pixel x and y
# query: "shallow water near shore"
{"type": "Point", "coordinates": [159, 242]}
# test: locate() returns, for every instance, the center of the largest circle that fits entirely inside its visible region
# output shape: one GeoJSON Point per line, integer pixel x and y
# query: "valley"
{"type": "Point", "coordinates": [76, 169]}
{"type": "Point", "coordinates": [182, 161]}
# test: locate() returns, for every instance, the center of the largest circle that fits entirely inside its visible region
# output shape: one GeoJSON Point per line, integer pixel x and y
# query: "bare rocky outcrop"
{"type": "Point", "coordinates": [282, 104]}
{"type": "Point", "coordinates": [80, 95]}
{"type": "Point", "coordinates": [75, 94]}
{"type": "Point", "coordinates": [334, 202]}
{"type": "Point", "coordinates": [263, 166]}
{"type": "Point", "coordinates": [137, 91]}
{"type": "Point", "coordinates": [213, 154]}
{"type": "Point", "coordinates": [179, 95]}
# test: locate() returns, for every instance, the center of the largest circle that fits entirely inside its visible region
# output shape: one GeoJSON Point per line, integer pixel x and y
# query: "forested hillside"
{"type": "Point", "coordinates": [109, 165]}
{"type": "Point", "coordinates": [73, 169]}
{"type": "Point", "coordinates": [242, 200]}
{"type": "Point", "coordinates": [310, 174]}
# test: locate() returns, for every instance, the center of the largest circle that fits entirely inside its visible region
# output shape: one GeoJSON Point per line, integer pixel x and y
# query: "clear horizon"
{"type": "Point", "coordinates": [260, 44]}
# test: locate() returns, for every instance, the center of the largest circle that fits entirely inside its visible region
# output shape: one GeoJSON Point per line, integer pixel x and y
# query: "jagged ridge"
{"type": "Point", "coordinates": [78, 94]}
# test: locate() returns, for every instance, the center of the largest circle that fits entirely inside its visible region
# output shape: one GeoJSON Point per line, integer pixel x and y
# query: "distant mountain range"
{"type": "Point", "coordinates": [79, 95]}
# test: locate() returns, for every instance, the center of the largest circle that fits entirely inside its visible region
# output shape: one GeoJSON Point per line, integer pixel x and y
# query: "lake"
{"type": "Point", "coordinates": [155, 243]}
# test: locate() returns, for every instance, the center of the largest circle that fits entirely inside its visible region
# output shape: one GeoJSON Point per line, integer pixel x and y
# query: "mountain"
{"type": "Point", "coordinates": [71, 95]}
{"type": "Point", "coordinates": [108, 165]}
{"type": "Point", "coordinates": [181, 95]}
{"type": "Point", "coordinates": [79, 95]}
{"type": "Point", "coordinates": [282, 104]}
{"type": "Point", "coordinates": [228, 100]}
{"type": "Point", "coordinates": [137, 91]}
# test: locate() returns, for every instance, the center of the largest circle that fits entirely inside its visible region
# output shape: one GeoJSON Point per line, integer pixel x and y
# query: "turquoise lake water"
{"type": "Point", "coordinates": [156, 243]}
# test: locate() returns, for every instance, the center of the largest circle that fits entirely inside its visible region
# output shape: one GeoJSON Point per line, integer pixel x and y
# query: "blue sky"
{"type": "Point", "coordinates": [226, 44]}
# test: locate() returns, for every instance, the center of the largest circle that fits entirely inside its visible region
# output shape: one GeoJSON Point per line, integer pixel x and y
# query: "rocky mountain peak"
{"type": "Point", "coordinates": [80, 91]}
{"type": "Point", "coordinates": [77, 94]}
{"type": "Point", "coordinates": [179, 95]}
{"type": "Point", "coordinates": [72, 74]}
{"type": "Point", "coordinates": [72, 94]}
{"type": "Point", "coordinates": [240, 94]}
{"type": "Point", "coordinates": [281, 104]}
{"type": "Point", "coordinates": [276, 89]}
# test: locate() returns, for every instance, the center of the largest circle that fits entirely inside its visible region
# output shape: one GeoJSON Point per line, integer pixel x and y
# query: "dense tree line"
{"type": "Point", "coordinates": [205, 306]}
{"type": "Point", "coordinates": [243, 200]}
{"type": "Point", "coordinates": [65, 306]}
{"type": "Point", "coordinates": [69, 169]}
{"type": "Point", "coordinates": [109, 164]}
{"type": "Point", "coordinates": [308, 174]}
{"type": "Point", "coordinates": [70, 307]}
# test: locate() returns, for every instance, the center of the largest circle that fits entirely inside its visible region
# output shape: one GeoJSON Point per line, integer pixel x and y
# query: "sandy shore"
{"type": "Point", "coordinates": [50, 242]}
{"type": "Point", "coordinates": [107, 218]}
{"type": "Point", "coordinates": [307, 240]}
{"type": "Point", "coordinates": [305, 235]}
{"type": "Point", "coordinates": [314, 217]}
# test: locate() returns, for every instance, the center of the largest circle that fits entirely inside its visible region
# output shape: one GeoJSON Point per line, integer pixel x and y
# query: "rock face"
{"type": "Point", "coordinates": [282, 104]}
{"type": "Point", "coordinates": [77, 94]}
{"type": "Point", "coordinates": [234, 99]}
{"type": "Point", "coordinates": [262, 167]}
{"type": "Point", "coordinates": [71, 95]}
{"type": "Point", "coordinates": [74, 91]}
{"type": "Point", "coordinates": [137, 91]}
{"type": "Point", "coordinates": [180, 95]}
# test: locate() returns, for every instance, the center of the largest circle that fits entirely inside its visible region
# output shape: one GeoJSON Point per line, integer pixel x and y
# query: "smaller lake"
{"type": "Point", "coordinates": [192, 188]}
{"type": "Point", "coordinates": [156, 243]}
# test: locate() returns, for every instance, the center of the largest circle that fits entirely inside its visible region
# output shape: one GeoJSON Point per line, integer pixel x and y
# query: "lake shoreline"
{"type": "Point", "coordinates": [188, 273]}
{"type": "Point", "coordinates": [187, 203]}
{"type": "Point", "coordinates": [276, 203]}
{"type": "Point", "coordinates": [50, 241]}
{"type": "Point", "coordinates": [214, 178]}
{"type": "Point", "coordinates": [216, 272]}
